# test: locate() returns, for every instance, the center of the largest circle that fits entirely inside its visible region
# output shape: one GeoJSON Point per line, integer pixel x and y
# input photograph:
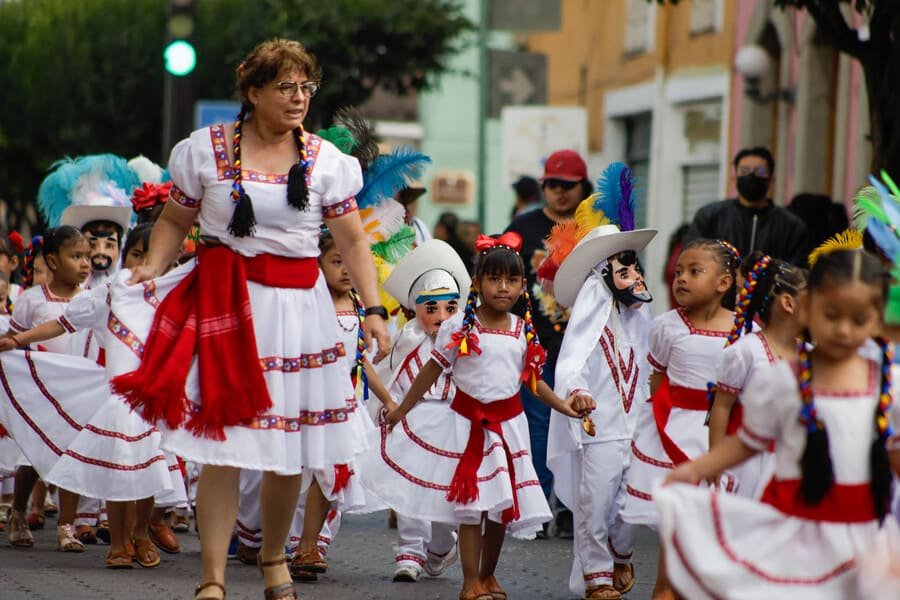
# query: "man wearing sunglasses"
{"type": "Point", "coordinates": [752, 221]}
{"type": "Point", "coordinates": [565, 184]}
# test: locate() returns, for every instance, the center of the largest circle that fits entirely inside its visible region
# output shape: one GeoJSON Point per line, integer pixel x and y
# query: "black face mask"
{"type": "Point", "coordinates": [753, 187]}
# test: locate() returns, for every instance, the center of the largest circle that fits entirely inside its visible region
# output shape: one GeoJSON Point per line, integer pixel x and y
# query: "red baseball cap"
{"type": "Point", "coordinates": [566, 165]}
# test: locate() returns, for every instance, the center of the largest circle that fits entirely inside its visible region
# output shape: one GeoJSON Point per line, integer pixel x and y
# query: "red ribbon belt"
{"type": "Point", "coordinates": [666, 398]}
{"type": "Point", "coordinates": [483, 416]}
{"type": "Point", "coordinates": [843, 503]}
{"type": "Point", "coordinates": [208, 315]}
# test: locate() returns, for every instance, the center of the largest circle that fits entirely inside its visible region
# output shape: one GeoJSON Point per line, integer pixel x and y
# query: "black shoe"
{"type": "Point", "coordinates": [564, 528]}
{"type": "Point", "coordinates": [543, 533]}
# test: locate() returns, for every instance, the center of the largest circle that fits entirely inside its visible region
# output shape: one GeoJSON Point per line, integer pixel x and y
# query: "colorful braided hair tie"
{"type": "Point", "coordinates": [741, 323]}
{"type": "Point", "coordinates": [360, 345]}
{"type": "Point", "coordinates": [735, 255]}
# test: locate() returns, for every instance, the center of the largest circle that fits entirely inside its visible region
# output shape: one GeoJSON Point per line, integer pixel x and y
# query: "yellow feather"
{"type": "Point", "coordinates": [587, 218]}
{"type": "Point", "coordinates": [849, 239]}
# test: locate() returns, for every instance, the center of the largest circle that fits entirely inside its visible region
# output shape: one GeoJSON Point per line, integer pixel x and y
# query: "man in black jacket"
{"type": "Point", "coordinates": [752, 221]}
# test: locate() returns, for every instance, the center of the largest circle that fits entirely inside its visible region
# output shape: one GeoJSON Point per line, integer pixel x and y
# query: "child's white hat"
{"type": "Point", "coordinates": [430, 256]}
{"type": "Point", "coordinates": [597, 246]}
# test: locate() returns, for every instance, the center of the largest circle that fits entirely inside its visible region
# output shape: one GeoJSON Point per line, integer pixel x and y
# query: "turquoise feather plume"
{"type": "Point", "coordinates": [390, 173]}
{"type": "Point", "coordinates": [71, 179]}
{"type": "Point", "coordinates": [616, 195]}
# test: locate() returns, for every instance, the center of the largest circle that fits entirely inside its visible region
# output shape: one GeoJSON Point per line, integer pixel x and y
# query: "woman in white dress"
{"type": "Point", "coordinates": [252, 317]}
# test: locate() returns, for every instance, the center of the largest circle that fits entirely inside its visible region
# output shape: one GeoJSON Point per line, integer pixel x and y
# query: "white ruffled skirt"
{"type": "Point", "coordinates": [725, 546]}
{"type": "Point", "coordinates": [411, 468]}
{"type": "Point", "coordinates": [314, 421]}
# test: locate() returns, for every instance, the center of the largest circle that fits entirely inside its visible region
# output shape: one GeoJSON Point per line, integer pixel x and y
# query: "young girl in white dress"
{"type": "Point", "coordinates": [828, 416]}
{"type": "Point", "coordinates": [474, 467]}
{"type": "Point", "coordinates": [771, 291]}
{"type": "Point", "coordinates": [66, 252]}
{"type": "Point", "coordinates": [685, 346]}
{"type": "Point", "coordinates": [115, 455]}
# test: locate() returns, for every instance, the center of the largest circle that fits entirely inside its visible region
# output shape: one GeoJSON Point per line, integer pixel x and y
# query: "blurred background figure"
{"type": "Point", "coordinates": [822, 216]}
{"type": "Point", "coordinates": [528, 195]}
{"type": "Point", "coordinates": [409, 197]}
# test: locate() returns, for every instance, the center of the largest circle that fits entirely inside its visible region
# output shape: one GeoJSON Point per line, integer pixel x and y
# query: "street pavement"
{"type": "Point", "coordinates": [360, 567]}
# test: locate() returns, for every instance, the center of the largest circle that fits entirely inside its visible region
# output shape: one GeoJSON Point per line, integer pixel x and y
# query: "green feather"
{"type": "Point", "coordinates": [892, 310]}
{"type": "Point", "coordinates": [399, 245]}
{"type": "Point", "coordinates": [867, 203]}
{"type": "Point", "coordinates": [895, 192]}
{"type": "Point", "coordinates": [340, 137]}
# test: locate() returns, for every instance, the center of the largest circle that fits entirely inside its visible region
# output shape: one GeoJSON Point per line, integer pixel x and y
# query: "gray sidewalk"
{"type": "Point", "coordinates": [360, 567]}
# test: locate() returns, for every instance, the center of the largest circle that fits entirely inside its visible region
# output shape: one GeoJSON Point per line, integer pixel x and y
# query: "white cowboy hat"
{"type": "Point", "coordinates": [433, 254]}
{"type": "Point", "coordinates": [598, 245]}
{"type": "Point", "coordinates": [101, 209]}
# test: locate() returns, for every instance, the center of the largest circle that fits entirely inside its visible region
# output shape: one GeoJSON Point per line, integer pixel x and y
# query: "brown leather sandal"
{"type": "Point", "coordinates": [493, 587]}
{"type": "Point", "coordinates": [620, 569]}
{"type": "Point", "coordinates": [146, 554]}
{"type": "Point", "coordinates": [280, 591]}
{"type": "Point", "coordinates": [602, 592]}
{"type": "Point", "coordinates": [208, 584]}
{"type": "Point", "coordinates": [119, 560]}
{"type": "Point", "coordinates": [310, 561]}
{"type": "Point", "coordinates": [476, 592]}
{"type": "Point", "coordinates": [19, 534]}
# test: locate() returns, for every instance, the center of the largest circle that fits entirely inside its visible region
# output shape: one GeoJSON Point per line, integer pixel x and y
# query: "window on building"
{"type": "Point", "coordinates": [638, 129]}
{"type": "Point", "coordinates": [700, 187]}
{"type": "Point", "coordinates": [706, 16]}
{"type": "Point", "coordinates": [640, 21]}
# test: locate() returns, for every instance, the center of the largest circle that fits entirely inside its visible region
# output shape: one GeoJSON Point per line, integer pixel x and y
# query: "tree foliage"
{"type": "Point", "coordinates": [86, 76]}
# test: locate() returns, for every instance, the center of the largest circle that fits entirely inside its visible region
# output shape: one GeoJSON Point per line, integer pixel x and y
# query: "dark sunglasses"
{"type": "Point", "coordinates": [559, 183]}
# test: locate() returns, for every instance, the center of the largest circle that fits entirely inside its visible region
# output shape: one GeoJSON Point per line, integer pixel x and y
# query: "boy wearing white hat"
{"type": "Point", "coordinates": [428, 282]}
{"type": "Point", "coordinates": [603, 355]}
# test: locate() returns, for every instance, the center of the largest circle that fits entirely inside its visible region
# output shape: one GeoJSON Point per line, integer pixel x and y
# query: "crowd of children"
{"type": "Point", "coordinates": [758, 442]}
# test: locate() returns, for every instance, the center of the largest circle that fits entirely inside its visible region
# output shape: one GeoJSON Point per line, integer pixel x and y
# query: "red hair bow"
{"type": "Point", "coordinates": [149, 195]}
{"type": "Point", "coordinates": [18, 244]}
{"type": "Point", "coordinates": [510, 239]}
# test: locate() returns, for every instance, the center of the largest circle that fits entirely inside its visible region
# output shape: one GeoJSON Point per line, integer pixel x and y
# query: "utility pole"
{"type": "Point", "coordinates": [180, 59]}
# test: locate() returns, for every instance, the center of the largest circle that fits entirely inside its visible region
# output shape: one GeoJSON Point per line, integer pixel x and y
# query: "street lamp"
{"type": "Point", "coordinates": [753, 63]}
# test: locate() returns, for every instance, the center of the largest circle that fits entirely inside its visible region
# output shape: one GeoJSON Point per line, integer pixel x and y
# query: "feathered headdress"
{"type": "Point", "coordinates": [95, 180]}
{"type": "Point", "coordinates": [849, 239]}
{"type": "Point", "coordinates": [877, 208]}
{"type": "Point", "coordinates": [613, 203]}
{"type": "Point", "coordinates": [390, 173]}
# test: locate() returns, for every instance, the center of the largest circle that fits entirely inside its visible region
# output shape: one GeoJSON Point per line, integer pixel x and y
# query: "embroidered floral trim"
{"type": "Point", "coordinates": [181, 199]}
{"type": "Point", "coordinates": [304, 361]}
{"type": "Point", "coordinates": [344, 207]}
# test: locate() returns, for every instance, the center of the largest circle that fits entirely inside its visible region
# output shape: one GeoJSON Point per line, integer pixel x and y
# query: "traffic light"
{"type": "Point", "coordinates": [179, 54]}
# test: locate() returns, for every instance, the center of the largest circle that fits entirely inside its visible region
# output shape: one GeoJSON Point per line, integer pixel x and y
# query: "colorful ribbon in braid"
{"type": "Point", "coordinates": [808, 409]}
{"type": "Point", "coordinates": [465, 339]}
{"type": "Point", "coordinates": [535, 354]}
{"type": "Point", "coordinates": [243, 220]}
{"type": "Point", "coordinates": [735, 255]}
{"type": "Point", "coordinates": [885, 431]}
{"type": "Point", "coordinates": [741, 323]}
{"type": "Point", "coordinates": [37, 243]}
{"type": "Point", "coordinates": [360, 345]}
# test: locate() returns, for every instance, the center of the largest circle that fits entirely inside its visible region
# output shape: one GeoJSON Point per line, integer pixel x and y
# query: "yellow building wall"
{"type": "Point", "coordinates": [586, 57]}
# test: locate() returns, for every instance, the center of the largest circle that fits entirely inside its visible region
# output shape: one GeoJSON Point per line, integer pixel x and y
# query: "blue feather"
{"type": "Point", "coordinates": [884, 237]}
{"type": "Point", "coordinates": [888, 202]}
{"type": "Point", "coordinates": [61, 188]}
{"type": "Point", "coordinates": [390, 173]}
{"type": "Point", "coordinates": [615, 195]}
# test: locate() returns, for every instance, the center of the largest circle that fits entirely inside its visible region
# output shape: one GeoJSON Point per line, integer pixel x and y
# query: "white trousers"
{"type": "Point", "coordinates": [601, 537]}
{"type": "Point", "coordinates": [249, 521]}
{"type": "Point", "coordinates": [89, 511]}
{"type": "Point", "coordinates": [417, 539]}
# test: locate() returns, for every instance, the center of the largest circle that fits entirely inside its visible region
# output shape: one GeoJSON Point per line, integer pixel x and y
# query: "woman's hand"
{"type": "Point", "coordinates": [142, 273]}
{"type": "Point", "coordinates": [376, 328]}
{"type": "Point", "coordinates": [684, 473]}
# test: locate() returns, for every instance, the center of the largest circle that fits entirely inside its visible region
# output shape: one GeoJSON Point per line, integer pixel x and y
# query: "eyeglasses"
{"type": "Point", "coordinates": [289, 88]}
{"type": "Point", "coordinates": [559, 183]}
{"type": "Point", "coordinates": [758, 171]}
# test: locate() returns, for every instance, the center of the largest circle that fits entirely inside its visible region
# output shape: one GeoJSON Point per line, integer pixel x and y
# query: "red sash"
{"type": "Point", "coordinates": [464, 485]}
{"type": "Point", "coordinates": [208, 315]}
{"type": "Point", "coordinates": [666, 398]}
{"type": "Point", "coordinates": [842, 504]}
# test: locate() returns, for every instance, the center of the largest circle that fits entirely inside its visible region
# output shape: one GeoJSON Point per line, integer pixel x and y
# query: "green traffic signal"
{"type": "Point", "coordinates": [180, 57]}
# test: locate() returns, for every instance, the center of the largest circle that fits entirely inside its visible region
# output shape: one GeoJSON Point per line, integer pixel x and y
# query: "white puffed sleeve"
{"type": "Point", "coordinates": [87, 310]}
{"type": "Point", "coordinates": [338, 178]}
{"type": "Point", "coordinates": [22, 314]}
{"type": "Point", "coordinates": [187, 185]}
{"type": "Point", "coordinates": [660, 343]}
{"type": "Point", "coordinates": [769, 394]}
{"type": "Point", "coordinates": [735, 366]}
{"type": "Point", "coordinates": [441, 353]}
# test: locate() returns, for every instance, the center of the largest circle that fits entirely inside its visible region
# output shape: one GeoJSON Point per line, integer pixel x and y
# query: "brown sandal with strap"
{"type": "Point", "coordinates": [208, 584]}
{"type": "Point", "coordinates": [310, 561]}
{"type": "Point", "coordinates": [279, 591]}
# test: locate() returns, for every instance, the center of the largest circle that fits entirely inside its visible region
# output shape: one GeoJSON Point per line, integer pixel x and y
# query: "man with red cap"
{"type": "Point", "coordinates": [565, 184]}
